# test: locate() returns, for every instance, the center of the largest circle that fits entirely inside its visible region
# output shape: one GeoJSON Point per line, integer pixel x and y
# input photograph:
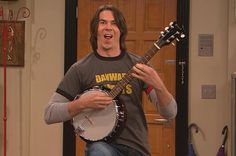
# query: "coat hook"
{"type": "Point", "coordinates": [193, 125]}
{"type": "Point", "coordinates": [225, 132]}
{"type": "Point", "coordinates": [221, 151]}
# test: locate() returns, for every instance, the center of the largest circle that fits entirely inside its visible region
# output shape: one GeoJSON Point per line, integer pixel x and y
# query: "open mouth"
{"type": "Point", "coordinates": [108, 36]}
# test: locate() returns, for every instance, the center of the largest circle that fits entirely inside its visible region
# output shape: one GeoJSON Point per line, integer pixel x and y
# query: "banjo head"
{"type": "Point", "coordinates": [99, 124]}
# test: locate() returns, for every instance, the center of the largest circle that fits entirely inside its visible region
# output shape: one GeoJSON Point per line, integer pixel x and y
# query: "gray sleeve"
{"type": "Point", "coordinates": [169, 111]}
{"type": "Point", "coordinates": [57, 109]}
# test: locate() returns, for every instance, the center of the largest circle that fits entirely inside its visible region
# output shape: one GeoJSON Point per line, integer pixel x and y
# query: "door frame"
{"type": "Point", "coordinates": [182, 59]}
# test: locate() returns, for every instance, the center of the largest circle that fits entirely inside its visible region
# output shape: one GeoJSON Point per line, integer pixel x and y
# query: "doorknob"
{"type": "Point", "coordinates": [164, 122]}
{"type": "Point", "coordinates": [161, 121]}
{"type": "Point", "coordinates": [170, 62]}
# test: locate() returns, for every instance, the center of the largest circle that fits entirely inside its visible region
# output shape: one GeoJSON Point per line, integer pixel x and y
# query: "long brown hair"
{"type": "Point", "coordinates": [119, 19]}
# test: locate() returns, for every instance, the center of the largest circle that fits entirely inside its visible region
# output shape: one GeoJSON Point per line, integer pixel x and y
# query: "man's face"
{"type": "Point", "coordinates": [108, 35]}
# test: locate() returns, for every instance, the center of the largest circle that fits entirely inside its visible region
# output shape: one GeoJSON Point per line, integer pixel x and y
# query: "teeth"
{"type": "Point", "coordinates": [108, 36]}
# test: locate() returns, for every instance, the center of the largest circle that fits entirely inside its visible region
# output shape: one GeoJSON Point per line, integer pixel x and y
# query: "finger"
{"type": "Point", "coordinates": [139, 66]}
{"type": "Point", "coordinates": [138, 76]}
{"type": "Point", "coordinates": [144, 70]}
{"type": "Point", "coordinates": [104, 99]}
{"type": "Point", "coordinates": [137, 70]}
{"type": "Point", "coordinates": [104, 104]}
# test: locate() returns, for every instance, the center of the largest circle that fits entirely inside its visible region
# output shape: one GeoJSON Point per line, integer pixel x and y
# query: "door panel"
{"type": "Point", "coordinates": [145, 19]}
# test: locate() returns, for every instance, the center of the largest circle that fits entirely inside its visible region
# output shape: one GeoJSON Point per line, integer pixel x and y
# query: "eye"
{"type": "Point", "coordinates": [113, 23]}
{"type": "Point", "coordinates": [102, 22]}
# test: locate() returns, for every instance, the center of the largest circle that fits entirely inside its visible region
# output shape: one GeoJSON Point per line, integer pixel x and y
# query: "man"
{"type": "Point", "coordinates": [109, 57]}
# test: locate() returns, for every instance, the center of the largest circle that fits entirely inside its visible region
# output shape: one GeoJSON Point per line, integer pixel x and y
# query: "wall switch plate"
{"type": "Point", "coordinates": [205, 44]}
{"type": "Point", "coordinates": [208, 91]}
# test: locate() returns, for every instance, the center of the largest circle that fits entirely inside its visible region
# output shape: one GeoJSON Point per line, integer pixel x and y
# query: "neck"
{"type": "Point", "coordinates": [108, 52]}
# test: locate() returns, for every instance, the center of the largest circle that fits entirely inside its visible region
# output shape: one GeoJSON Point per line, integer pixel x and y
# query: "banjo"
{"type": "Point", "coordinates": [105, 124]}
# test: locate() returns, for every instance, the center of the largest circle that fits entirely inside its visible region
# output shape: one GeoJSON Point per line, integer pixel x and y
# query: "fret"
{"type": "Point", "coordinates": [111, 94]}
{"type": "Point", "coordinates": [121, 84]}
{"type": "Point", "coordinates": [151, 52]}
{"type": "Point", "coordinates": [148, 56]}
{"type": "Point", "coordinates": [145, 60]}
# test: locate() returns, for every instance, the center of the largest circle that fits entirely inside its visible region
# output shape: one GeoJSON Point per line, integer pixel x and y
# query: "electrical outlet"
{"type": "Point", "coordinates": [208, 91]}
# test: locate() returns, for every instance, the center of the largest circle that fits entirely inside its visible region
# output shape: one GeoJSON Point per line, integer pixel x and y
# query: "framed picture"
{"type": "Point", "coordinates": [14, 42]}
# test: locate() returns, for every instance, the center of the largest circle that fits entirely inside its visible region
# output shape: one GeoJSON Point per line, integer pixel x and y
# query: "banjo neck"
{"type": "Point", "coordinates": [171, 33]}
{"type": "Point", "coordinates": [115, 91]}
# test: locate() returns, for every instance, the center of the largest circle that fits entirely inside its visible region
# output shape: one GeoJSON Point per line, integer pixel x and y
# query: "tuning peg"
{"type": "Point", "coordinates": [166, 28]}
{"type": "Point", "coordinates": [182, 36]}
{"type": "Point", "coordinates": [162, 33]}
{"type": "Point", "coordinates": [173, 44]}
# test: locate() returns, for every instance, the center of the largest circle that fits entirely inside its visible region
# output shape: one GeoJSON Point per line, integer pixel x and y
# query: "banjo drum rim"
{"type": "Point", "coordinates": [121, 116]}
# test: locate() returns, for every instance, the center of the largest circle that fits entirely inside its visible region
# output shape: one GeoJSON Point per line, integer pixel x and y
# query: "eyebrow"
{"type": "Point", "coordinates": [102, 20]}
{"type": "Point", "coordinates": [107, 20]}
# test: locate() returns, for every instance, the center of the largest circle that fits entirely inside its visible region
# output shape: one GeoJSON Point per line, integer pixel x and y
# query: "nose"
{"type": "Point", "coordinates": [108, 25]}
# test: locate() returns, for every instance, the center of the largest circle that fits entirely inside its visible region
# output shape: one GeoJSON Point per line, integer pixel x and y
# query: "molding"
{"type": "Point", "coordinates": [69, 139]}
{"type": "Point", "coordinates": [182, 59]}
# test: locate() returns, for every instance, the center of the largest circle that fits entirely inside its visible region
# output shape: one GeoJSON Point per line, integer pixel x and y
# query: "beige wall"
{"type": "Point", "coordinates": [211, 115]}
{"type": "Point", "coordinates": [30, 87]}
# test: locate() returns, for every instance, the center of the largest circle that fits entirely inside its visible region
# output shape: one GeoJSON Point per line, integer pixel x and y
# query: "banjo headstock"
{"type": "Point", "coordinates": [171, 33]}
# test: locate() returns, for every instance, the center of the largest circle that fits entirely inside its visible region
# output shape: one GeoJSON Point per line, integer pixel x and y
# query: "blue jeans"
{"type": "Point", "coordinates": [109, 149]}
